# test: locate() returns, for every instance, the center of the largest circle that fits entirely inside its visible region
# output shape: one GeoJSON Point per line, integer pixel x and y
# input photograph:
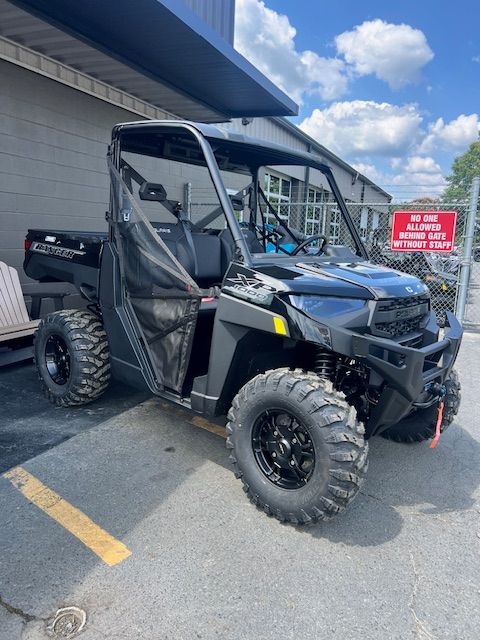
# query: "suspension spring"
{"type": "Point", "coordinates": [325, 362]}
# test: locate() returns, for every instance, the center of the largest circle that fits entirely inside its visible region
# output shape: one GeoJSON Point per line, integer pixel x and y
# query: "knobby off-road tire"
{"type": "Point", "coordinates": [72, 357]}
{"type": "Point", "coordinates": [420, 425]}
{"type": "Point", "coordinates": [326, 424]}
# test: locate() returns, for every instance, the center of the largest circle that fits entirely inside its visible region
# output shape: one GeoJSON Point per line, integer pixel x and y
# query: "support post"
{"type": "Point", "coordinates": [467, 257]}
{"type": "Point", "coordinates": [187, 197]}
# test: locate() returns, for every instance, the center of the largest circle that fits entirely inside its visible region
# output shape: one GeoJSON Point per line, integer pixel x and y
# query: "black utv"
{"type": "Point", "coordinates": [309, 351]}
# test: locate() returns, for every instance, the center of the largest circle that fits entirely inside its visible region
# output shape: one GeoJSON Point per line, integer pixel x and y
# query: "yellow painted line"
{"type": "Point", "coordinates": [108, 548]}
{"type": "Point", "coordinates": [197, 421]}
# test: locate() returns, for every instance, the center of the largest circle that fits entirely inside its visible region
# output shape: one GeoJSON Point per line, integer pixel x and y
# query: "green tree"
{"type": "Point", "coordinates": [426, 200]}
{"type": "Point", "coordinates": [464, 169]}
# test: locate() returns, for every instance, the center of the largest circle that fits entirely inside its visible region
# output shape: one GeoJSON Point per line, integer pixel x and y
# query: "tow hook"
{"type": "Point", "coordinates": [438, 426]}
{"type": "Point", "coordinates": [442, 390]}
{"type": "Point", "coordinates": [438, 391]}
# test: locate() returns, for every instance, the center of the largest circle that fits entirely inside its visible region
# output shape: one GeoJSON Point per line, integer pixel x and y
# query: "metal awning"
{"type": "Point", "coordinates": [157, 50]}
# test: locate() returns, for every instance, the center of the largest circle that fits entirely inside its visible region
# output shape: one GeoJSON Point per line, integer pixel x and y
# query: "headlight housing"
{"type": "Point", "coordinates": [326, 307]}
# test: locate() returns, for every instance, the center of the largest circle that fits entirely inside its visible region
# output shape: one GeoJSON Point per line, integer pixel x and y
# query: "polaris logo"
{"type": "Point", "coordinates": [411, 312]}
{"type": "Point", "coordinates": [52, 250]}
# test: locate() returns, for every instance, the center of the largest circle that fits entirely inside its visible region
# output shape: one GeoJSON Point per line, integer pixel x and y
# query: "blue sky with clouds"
{"type": "Point", "coordinates": [394, 88]}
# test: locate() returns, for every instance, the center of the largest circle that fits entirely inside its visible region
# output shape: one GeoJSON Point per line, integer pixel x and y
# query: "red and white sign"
{"type": "Point", "coordinates": [423, 231]}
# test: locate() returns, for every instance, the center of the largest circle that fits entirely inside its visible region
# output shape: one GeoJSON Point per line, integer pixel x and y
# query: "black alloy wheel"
{"type": "Point", "coordinates": [72, 357]}
{"type": "Point", "coordinates": [57, 359]}
{"type": "Point", "coordinates": [283, 449]}
{"type": "Point", "coordinates": [296, 445]}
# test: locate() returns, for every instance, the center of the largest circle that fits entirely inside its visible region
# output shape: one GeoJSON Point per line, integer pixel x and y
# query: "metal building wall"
{"type": "Point", "coordinates": [53, 141]}
{"type": "Point", "coordinates": [218, 14]}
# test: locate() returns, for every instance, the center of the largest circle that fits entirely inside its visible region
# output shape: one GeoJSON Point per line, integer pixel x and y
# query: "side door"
{"type": "Point", "coordinates": [149, 301]}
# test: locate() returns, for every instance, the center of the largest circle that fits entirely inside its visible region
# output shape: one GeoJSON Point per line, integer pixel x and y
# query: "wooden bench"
{"type": "Point", "coordinates": [15, 324]}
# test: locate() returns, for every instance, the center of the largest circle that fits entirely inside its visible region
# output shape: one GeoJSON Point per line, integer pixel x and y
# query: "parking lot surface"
{"type": "Point", "coordinates": [401, 563]}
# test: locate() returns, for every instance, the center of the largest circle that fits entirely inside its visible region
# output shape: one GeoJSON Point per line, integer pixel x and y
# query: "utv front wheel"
{"type": "Point", "coordinates": [421, 424]}
{"type": "Point", "coordinates": [296, 445]}
{"type": "Point", "coordinates": [71, 354]}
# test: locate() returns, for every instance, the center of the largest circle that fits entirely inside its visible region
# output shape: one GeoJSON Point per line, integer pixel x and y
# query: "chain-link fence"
{"type": "Point", "coordinates": [452, 278]}
{"type": "Point", "coordinates": [441, 272]}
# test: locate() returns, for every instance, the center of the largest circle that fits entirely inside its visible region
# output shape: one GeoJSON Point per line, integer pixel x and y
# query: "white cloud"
{"type": "Point", "coordinates": [267, 39]}
{"type": "Point", "coordinates": [419, 179]}
{"type": "Point", "coordinates": [411, 184]}
{"type": "Point", "coordinates": [476, 59]}
{"type": "Point", "coordinates": [372, 172]}
{"type": "Point", "coordinates": [394, 53]}
{"type": "Point", "coordinates": [419, 164]}
{"type": "Point", "coordinates": [363, 127]}
{"type": "Point", "coordinates": [413, 177]}
{"type": "Point", "coordinates": [455, 135]}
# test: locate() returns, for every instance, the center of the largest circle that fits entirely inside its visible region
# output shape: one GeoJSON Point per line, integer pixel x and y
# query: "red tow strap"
{"type": "Point", "coordinates": [438, 426]}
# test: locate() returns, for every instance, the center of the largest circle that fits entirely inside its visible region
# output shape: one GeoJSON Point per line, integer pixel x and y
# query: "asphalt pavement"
{"type": "Point", "coordinates": [403, 562]}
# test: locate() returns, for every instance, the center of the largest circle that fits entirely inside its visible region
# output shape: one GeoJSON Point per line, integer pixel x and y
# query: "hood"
{"type": "Point", "coordinates": [342, 279]}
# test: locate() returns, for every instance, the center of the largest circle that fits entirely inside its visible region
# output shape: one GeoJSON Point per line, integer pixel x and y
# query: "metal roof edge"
{"type": "Point", "coordinates": [209, 34]}
{"type": "Point", "coordinates": [271, 99]}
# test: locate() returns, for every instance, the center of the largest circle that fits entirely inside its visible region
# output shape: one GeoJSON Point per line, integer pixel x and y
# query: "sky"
{"type": "Point", "coordinates": [391, 87]}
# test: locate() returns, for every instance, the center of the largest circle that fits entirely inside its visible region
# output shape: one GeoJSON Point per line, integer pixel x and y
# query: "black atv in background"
{"type": "Point", "coordinates": [310, 352]}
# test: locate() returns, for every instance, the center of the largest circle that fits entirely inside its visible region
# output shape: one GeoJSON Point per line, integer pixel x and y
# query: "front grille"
{"type": "Point", "coordinates": [399, 317]}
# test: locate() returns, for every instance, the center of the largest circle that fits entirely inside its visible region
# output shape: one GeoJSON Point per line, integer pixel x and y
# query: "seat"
{"type": "Point", "coordinates": [228, 245]}
{"type": "Point", "coordinates": [208, 251]}
{"type": "Point", "coordinates": [178, 238]}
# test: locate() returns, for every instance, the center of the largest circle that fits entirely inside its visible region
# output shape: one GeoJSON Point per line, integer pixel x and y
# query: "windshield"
{"type": "Point", "coordinates": [296, 203]}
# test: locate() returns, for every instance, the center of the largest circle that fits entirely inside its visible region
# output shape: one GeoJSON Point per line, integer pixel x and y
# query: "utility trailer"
{"type": "Point", "coordinates": [309, 350]}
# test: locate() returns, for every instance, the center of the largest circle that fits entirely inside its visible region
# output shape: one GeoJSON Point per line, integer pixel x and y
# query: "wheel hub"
{"type": "Point", "coordinates": [57, 359]}
{"type": "Point", "coordinates": [283, 449]}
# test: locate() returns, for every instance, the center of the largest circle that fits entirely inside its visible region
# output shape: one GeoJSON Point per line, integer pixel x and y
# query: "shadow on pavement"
{"type": "Point", "coordinates": [30, 425]}
{"type": "Point", "coordinates": [430, 482]}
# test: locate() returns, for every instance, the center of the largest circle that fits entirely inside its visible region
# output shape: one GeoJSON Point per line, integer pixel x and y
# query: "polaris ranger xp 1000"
{"type": "Point", "coordinates": [309, 349]}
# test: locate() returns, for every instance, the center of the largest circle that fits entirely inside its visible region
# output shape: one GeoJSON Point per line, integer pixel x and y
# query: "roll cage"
{"type": "Point", "coordinates": [221, 150]}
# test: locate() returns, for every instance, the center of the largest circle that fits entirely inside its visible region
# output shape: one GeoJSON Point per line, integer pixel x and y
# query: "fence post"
{"type": "Point", "coordinates": [466, 264]}
{"type": "Point", "coordinates": [187, 197]}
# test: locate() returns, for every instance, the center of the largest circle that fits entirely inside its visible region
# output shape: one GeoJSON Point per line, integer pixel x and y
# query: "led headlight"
{"type": "Point", "coordinates": [323, 307]}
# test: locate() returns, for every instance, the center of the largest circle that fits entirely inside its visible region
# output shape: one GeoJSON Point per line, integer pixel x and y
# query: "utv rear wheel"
{"type": "Point", "coordinates": [420, 425]}
{"type": "Point", "coordinates": [71, 354]}
{"type": "Point", "coordinates": [296, 445]}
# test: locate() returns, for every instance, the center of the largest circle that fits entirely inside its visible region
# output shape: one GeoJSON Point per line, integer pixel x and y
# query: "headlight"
{"type": "Point", "coordinates": [323, 307]}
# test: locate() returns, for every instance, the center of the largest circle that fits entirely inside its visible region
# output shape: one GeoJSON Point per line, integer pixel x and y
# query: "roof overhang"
{"type": "Point", "coordinates": [158, 50]}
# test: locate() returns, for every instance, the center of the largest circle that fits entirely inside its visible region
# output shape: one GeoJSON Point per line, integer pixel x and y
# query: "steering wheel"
{"type": "Point", "coordinates": [309, 240]}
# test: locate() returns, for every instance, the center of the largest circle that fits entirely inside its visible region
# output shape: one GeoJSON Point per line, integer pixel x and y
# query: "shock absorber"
{"type": "Point", "coordinates": [324, 365]}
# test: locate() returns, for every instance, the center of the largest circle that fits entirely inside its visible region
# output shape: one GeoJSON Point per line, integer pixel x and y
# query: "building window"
{"type": "Point", "coordinates": [278, 191]}
{"type": "Point", "coordinates": [315, 215]}
{"type": "Point", "coordinates": [335, 218]}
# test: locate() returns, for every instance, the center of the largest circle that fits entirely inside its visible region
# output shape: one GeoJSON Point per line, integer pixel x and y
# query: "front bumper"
{"type": "Point", "coordinates": [406, 370]}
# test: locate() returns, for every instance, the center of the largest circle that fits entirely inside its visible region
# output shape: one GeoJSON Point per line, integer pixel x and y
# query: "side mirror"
{"type": "Point", "coordinates": [152, 191]}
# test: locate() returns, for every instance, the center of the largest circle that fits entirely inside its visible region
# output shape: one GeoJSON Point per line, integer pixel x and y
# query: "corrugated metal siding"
{"type": "Point", "coordinates": [53, 141]}
{"type": "Point", "coordinates": [265, 129]}
{"type": "Point", "coordinates": [218, 14]}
